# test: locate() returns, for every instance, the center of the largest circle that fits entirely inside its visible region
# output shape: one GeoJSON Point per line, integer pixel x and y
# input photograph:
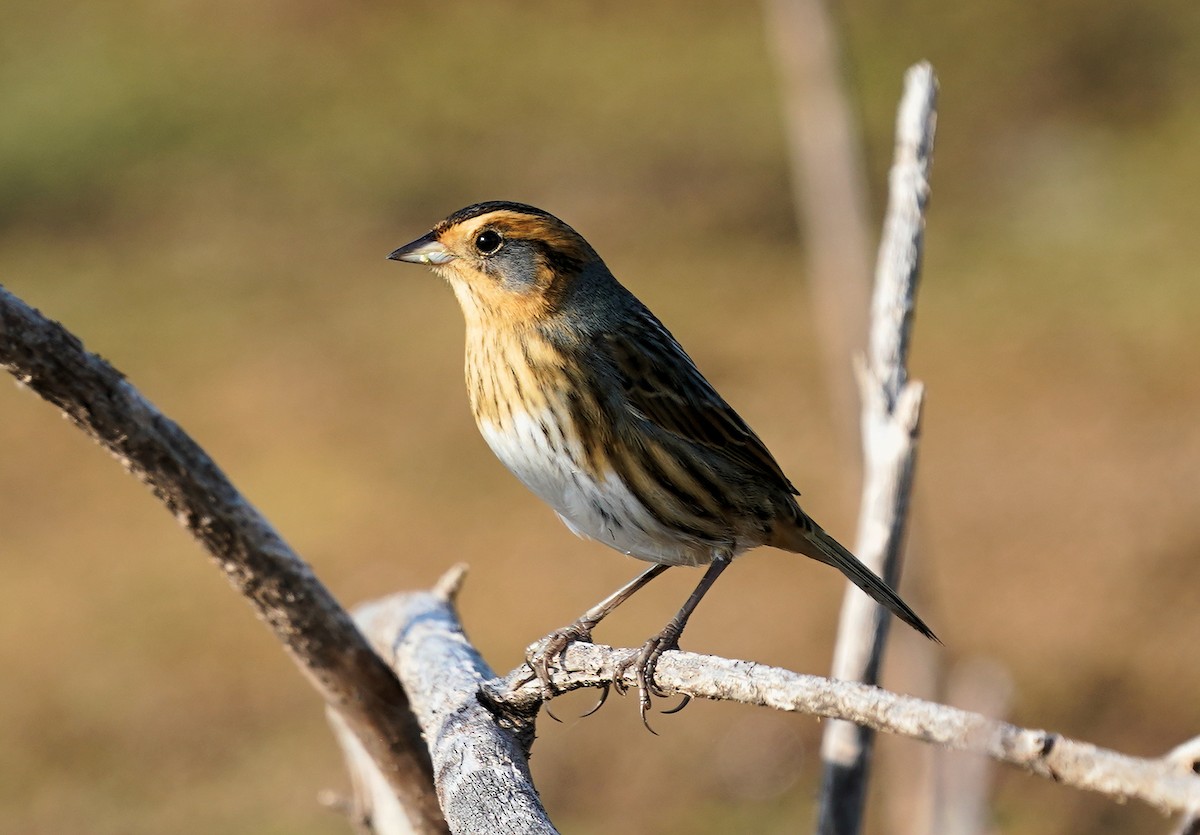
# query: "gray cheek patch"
{"type": "Point", "coordinates": [517, 266]}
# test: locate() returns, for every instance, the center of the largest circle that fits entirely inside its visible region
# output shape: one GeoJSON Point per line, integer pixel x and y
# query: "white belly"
{"type": "Point", "coordinates": [599, 508]}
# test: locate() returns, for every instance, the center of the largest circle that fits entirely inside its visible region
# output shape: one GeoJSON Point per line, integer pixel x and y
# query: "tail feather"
{"type": "Point", "coordinates": [814, 542]}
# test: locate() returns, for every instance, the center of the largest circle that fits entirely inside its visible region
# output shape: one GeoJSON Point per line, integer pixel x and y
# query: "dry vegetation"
{"type": "Point", "coordinates": [206, 192]}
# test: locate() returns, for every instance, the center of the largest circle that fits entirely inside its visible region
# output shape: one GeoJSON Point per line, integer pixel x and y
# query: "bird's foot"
{"type": "Point", "coordinates": [549, 650]}
{"type": "Point", "coordinates": [644, 664]}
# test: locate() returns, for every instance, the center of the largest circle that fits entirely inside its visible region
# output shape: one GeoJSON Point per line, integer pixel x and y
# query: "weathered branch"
{"type": "Point", "coordinates": [421, 635]}
{"type": "Point", "coordinates": [1163, 783]}
{"type": "Point", "coordinates": [890, 426]}
{"type": "Point", "coordinates": [480, 761]}
{"type": "Point", "coordinates": [315, 630]}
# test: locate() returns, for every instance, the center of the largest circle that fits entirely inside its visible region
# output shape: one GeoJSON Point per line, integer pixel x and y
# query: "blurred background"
{"type": "Point", "coordinates": [205, 193]}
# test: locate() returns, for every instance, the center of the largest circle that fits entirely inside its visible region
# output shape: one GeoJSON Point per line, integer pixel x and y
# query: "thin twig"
{"type": "Point", "coordinates": [316, 631]}
{"type": "Point", "coordinates": [890, 426]}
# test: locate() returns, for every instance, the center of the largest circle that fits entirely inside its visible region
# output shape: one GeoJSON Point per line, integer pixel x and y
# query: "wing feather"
{"type": "Point", "coordinates": [663, 386]}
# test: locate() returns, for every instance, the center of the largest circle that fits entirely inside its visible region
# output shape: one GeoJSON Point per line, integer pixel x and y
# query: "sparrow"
{"type": "Point", "coordinates": [588, 399]}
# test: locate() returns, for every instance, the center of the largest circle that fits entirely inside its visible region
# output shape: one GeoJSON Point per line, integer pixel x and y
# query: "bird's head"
{"type": "Point", "coordinates": [505, 260]}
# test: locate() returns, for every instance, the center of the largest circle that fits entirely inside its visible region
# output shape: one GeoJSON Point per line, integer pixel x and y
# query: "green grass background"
{"type": "Point", "coordinates": [205, 193]}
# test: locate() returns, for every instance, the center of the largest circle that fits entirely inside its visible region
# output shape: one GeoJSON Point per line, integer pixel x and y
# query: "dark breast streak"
{"type": "Point", "coordinates": [674, 486]}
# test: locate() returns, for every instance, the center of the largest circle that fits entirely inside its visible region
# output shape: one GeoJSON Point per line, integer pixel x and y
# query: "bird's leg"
{"type": "Point", "coordinates": [553, 645]}
{"type": "Point", "coordinates": [666, 640]}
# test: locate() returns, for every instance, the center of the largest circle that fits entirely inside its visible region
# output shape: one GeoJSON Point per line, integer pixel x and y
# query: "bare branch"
{"type": "Point", "coordinates": [315, 630]}
{"type": "Point", "coordinates": [444, 675]}
{"type": "Point", "coordinates": [899, 263]}
{"type": "Point", "coordinates": [480, 763]}
{"type": "Point", "coordinates": [483, 725]}
{"type": "Point", "coordinates": [890, 426]}
{"type": "Point", "coordinates": [1162, 783]}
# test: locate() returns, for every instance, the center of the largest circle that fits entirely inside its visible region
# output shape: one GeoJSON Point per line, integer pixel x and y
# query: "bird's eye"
{"type": "Point", "coordinates": [488, 241]}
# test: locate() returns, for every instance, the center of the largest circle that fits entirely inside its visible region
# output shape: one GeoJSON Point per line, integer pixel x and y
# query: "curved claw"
{"type": "Point", "coordinates": [684, 702]}
{"type": "Point", "coordinates": [550, 713]}
{"type": "Point", "coordinates": [645, 675]}
{"type": "Point", "coordinates": [646, 722]}
{"type": "Point", "coordinates": [644, 663]}
{"type": "Point", "coordinates": [599, 704]}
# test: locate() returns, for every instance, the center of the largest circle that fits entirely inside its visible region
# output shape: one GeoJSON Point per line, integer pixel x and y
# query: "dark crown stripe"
{"type": "Point", "coordinates": [492, 206]}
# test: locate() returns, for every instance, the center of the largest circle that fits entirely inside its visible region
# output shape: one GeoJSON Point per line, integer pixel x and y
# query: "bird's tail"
{"type": "Point", "coordinates": [810, 540]}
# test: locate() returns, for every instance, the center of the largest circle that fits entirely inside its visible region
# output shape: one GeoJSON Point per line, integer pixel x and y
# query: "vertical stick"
{"type": "Point", "coordinates": [890, 425]}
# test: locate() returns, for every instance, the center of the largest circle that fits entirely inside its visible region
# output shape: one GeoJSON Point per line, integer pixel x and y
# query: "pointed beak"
{"type": "Point", "coordinates": [425, 250]}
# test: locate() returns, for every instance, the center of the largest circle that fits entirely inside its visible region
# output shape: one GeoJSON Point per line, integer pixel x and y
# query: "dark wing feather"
{"type": "Point", "coordinates": [663, 386]}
